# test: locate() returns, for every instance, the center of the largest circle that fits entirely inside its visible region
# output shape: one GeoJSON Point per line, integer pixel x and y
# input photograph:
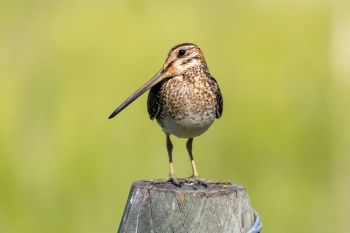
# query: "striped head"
{"type": "Point", "coordinates": [183, 57]}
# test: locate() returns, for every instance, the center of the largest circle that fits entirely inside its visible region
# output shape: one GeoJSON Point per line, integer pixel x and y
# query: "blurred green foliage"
{"type": "Point", "coordinates": [66, 65]}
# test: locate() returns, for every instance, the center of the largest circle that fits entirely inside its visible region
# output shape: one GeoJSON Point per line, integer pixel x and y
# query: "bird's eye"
{"type": "Point", "coordinates": [182, 52]}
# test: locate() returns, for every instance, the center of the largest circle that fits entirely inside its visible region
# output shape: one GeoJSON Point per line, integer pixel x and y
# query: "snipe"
{"type": "Point", "coordinates": [184, 98]}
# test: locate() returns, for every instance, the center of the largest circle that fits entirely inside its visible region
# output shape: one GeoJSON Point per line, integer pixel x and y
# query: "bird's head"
{"type": "Point", "coordinates": [183, 57]}
{"type": "Point", "coordinates": [180, 58]}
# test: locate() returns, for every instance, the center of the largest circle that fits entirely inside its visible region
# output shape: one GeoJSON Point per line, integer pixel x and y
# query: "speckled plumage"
{"type": "Point", "coordinates": [186, 105]}
{"type": "Point", "coordinates": [184, 98]}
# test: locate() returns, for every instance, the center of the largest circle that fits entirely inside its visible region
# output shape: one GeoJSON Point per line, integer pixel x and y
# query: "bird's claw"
{"type": "Point", "coordinates": [173, 179]}
{"type": "Point", "coordinates": [196, 180]}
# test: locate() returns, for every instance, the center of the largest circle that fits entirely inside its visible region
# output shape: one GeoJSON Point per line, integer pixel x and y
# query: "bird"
{"type": "Point", "coordinates": [184, 99]}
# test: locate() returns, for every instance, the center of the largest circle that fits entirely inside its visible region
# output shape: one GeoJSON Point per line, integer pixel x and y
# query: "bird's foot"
{"type": "Point", "coordinates": [173, 179]}
{"type": "Point", "coordinates": [196, 180]}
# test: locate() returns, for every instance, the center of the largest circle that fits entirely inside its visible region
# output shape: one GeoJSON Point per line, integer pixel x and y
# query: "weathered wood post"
{"type": "Point", "coordinates": [160, 207]}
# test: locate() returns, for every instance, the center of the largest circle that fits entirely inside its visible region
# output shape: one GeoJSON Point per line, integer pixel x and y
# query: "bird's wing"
{"type": "Point", "coordinates": [219, 100]}
{"type": "Point", "coordinates": [153, 102]}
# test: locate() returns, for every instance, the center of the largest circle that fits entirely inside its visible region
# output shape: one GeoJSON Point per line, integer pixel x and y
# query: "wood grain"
{"type": "Point", "coordinates": [161, 207]}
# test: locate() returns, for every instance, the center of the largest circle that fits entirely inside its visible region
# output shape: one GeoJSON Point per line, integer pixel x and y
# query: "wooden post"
{"type": "Point", "coordinates": [161, 207]}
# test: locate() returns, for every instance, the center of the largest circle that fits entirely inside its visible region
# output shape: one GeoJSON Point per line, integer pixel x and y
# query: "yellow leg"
{"type": "Point", "coordinates": [189, 149]}
{"type": "Point", "coordinates": [194, 170]}
{"type": "Point", "coordinates": [171, 169]}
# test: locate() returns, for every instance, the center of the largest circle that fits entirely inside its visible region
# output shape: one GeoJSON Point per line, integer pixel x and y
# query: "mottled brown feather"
{"type": "Point", "coordinates": [186, 103]}
{"type": "Point", "coordinates": [219, 100]}
{"type": "Point", "coordinates": [153, 101]}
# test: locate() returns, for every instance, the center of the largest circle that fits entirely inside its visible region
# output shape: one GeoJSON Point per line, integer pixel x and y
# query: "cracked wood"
{"type": "Point", "coordinates": [160, 207]}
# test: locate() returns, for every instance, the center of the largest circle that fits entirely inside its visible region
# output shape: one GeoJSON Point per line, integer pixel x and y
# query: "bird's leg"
{"type": "Point", "coordinates": [194, 178]}
{"type": "Point", "coordinates": [169, 147]}
{"type": "Point", "coordinates": [189, 149]}
{"type": "Point", "coordinates": [172, 178]}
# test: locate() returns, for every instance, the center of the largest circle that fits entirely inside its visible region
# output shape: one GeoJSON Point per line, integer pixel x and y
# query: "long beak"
{"type": "Point", "coordinates": [156, 79]}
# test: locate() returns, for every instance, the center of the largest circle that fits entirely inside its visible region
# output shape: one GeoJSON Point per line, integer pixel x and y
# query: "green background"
{"type": "Point", "coordinates": [283, 68]}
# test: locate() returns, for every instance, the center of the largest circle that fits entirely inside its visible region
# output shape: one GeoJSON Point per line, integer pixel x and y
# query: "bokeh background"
{"type": "Point", "coordinates": [284, 70]}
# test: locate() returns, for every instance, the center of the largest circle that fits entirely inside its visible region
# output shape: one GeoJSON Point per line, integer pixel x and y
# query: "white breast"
{"type": "Point", "coordinates": [186, 128]}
